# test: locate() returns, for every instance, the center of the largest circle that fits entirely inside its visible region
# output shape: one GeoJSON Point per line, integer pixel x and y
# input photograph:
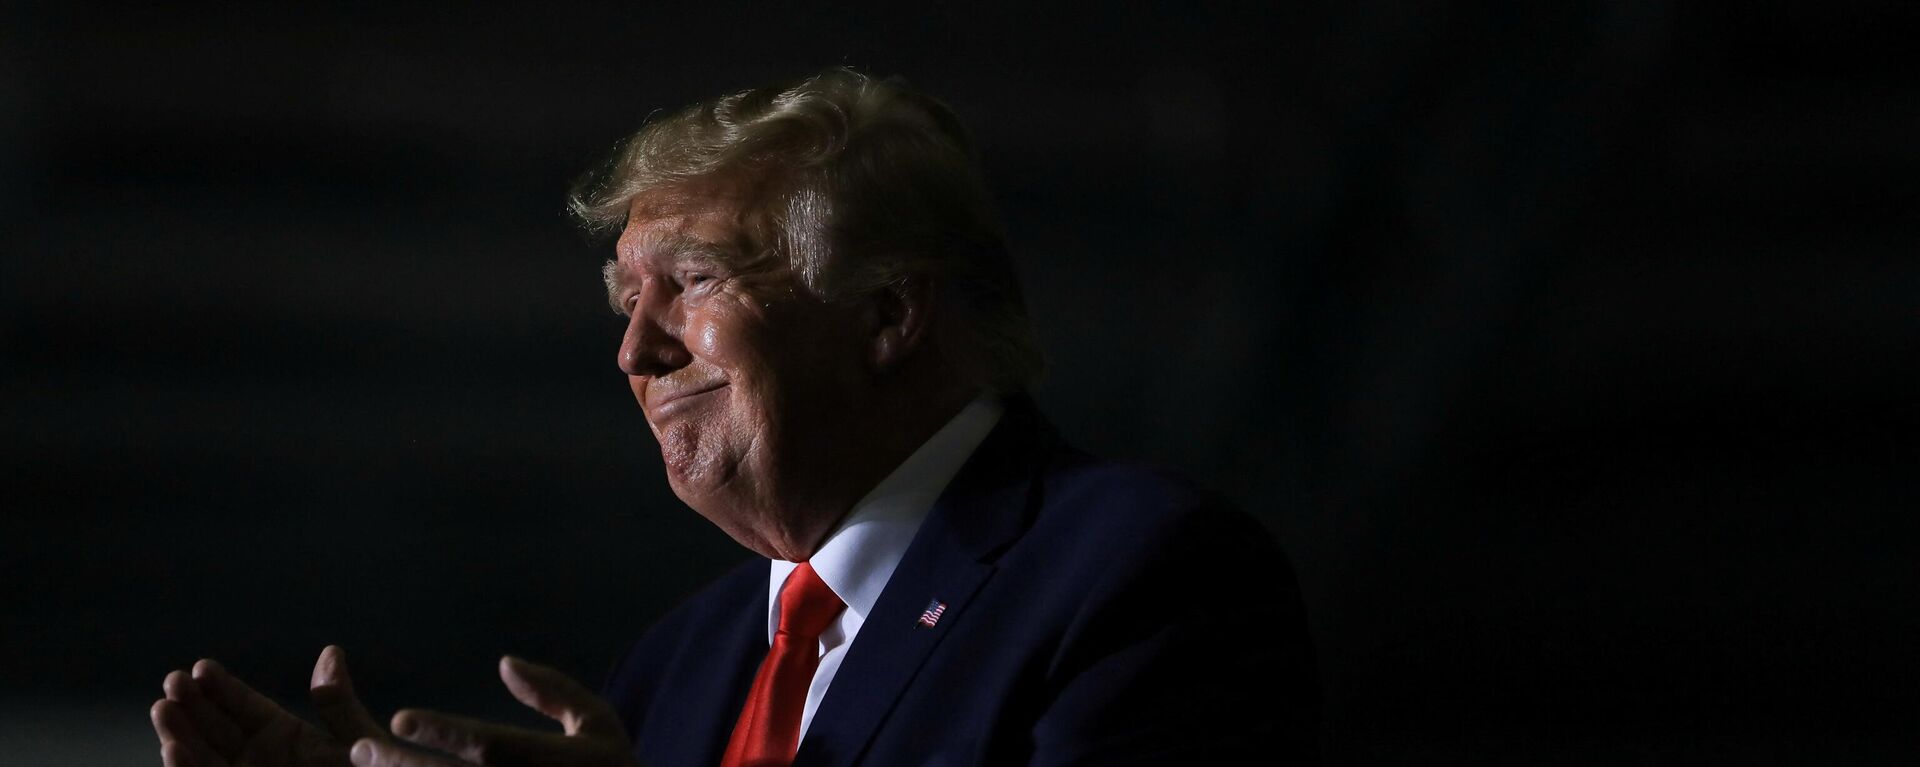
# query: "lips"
{"type": "Point", "coordinates": [675, 397]}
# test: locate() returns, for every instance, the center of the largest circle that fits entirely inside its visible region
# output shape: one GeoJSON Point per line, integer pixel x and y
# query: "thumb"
{"type": "Point", "coordinates": [556, 695]}
{"type": "Point", "coordinates": [334, 700]}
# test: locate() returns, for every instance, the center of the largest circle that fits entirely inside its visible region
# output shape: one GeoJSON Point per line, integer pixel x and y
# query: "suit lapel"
{"type": "Point", "coordinates": [982, 510]}
{"type": "Point", "coordinates": [694, 715]}
{"type": "Point", "coordinates": [746, 642]}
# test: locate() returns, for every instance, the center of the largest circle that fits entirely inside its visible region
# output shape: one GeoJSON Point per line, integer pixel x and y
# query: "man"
{"type": "Point", "coordinates": [827, 337]}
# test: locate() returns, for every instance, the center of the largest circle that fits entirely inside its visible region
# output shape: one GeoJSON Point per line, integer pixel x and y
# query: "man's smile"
{"type": "Point", "coordinates": [665, 401]}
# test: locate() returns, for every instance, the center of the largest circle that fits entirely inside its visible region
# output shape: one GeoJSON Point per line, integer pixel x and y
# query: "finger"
{"type": "Point", "coordinates": [171, 723]}
{"type": "Point", "coordinates": [334, 700]}
{"type": "Point", "coordinates": [474, 740]}
{"type": "Point", "coordinates": [176, 754]}
{"type": "Point", "coordinates": [550, 692]}
{"type": "Point", "coordinates": [369, 752]}
{"type": "Point", "coordinates": [181, 744]}
{"type": "Point", "coordinates": [218, 730]}
{"type": "Point", "coordinates": [246, 706]}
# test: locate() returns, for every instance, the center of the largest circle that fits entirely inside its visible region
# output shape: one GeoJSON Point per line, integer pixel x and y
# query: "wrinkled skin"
{"type": "Point", "coordinates": [760, 393]}
{"type": "Point", "coordinates": [209, 718]}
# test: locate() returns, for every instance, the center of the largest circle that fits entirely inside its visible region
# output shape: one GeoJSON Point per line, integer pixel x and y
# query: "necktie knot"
{"type": "Point", "coordinates": [807, 606]}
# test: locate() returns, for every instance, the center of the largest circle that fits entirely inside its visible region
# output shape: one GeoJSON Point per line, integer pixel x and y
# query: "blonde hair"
{"type": "Point", "coordinates": [862, 183]}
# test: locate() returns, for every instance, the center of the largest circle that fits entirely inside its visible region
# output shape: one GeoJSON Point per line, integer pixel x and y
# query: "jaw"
{"type": "Point", "coordinates": [767, 510]}
{"type": "Point", "coordinates": [770, 531]}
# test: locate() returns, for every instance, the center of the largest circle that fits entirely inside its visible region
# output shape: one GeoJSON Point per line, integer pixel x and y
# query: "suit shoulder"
{"type": "Point", "coordinates": [681, 629]}
{"type": "Point", "coordinates": [1168, 619]}
{"type": "Point", "coordinates": [716, 602]}
{"type": "Point", "coordinates": [1127, 505]}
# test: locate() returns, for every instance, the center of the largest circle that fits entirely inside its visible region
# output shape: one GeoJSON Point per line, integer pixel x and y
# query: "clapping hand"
{"type": "Point", "coordinates": [212, 719]}
{"type": "Point", "coordinates": [593, 735]}
{"type": "Point", "coordinates": [209, 718]}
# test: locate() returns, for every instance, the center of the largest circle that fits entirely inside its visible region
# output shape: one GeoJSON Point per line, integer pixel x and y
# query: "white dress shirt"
{"type": "Point", "coordinates": [860, 555]}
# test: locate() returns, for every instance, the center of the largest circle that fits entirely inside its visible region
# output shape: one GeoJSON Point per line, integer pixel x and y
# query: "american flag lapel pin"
{"type": "Point", "coordinates": [931, 615]}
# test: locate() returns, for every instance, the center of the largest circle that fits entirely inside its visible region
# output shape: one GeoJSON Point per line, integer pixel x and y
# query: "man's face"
{"type": "Point", "coordinates": [741, 371]}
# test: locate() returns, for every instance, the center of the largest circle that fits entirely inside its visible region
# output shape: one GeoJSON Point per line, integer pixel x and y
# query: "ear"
{"type": "Point", "coordinates": [903, 318]}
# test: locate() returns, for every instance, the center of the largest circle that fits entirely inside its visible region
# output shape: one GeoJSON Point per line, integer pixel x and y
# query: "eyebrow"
{"type": "Point", "coordinates": [673, 249]}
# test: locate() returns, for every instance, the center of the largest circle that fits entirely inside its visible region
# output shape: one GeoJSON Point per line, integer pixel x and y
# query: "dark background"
{"type": "Point", "coordinates": [1562, 346]}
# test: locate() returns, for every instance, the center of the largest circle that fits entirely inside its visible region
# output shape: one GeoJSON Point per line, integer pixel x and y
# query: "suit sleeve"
{"type": "Point", "coordinates": [1193, 650]}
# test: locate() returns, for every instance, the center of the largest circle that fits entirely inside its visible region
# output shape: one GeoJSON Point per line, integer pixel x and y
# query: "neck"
{"type": "Point", "coordinates": [893, 423]}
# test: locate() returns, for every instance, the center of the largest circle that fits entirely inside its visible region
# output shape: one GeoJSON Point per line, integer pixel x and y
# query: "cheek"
{"type": "Point", "coordinates": [705, 339]}
{"type": "Point", "coordinates": [705, 334]}
{"type": "Point", "coordinates": [729, 334]}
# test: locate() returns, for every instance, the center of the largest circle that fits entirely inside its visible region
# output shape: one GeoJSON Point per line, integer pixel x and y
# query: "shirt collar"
{"type": "Point", "coordinates": [860, 554]}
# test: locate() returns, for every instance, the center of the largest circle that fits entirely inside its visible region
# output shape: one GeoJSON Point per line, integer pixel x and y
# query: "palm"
{"type": "Point", "coordinates": [212, 719]}
{"type": "Point", "coordinates": [289, 741]}
{"type": "Point", "coordinates": [593, 734]}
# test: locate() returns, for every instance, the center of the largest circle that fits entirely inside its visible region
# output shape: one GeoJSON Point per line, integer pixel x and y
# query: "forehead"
{"type": "Point", "coordinates": [713, 216]}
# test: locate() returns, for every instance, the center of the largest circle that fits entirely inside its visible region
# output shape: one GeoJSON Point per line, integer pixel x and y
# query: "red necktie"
{"type": "Point", "coordinates": [769, 728]}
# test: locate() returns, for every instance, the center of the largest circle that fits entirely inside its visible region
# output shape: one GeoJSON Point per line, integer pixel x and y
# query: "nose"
{"type": "Point", "coordinates": [651, 346]}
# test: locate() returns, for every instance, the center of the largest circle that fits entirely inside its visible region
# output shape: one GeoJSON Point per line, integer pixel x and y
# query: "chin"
{"type": "Point", "coordinates": [694, 493]}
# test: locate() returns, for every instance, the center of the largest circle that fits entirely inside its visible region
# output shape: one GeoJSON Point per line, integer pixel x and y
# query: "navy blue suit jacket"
{"type": "Point", "coordinates": [1097, 613]}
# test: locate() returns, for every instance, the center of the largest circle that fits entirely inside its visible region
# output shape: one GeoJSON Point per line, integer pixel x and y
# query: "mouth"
{"type": "Point", "coordinates": [676, 400]}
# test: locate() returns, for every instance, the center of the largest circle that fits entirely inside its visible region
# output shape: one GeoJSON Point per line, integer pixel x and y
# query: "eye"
{"type": "Point", "coordinates": [695, 279]}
